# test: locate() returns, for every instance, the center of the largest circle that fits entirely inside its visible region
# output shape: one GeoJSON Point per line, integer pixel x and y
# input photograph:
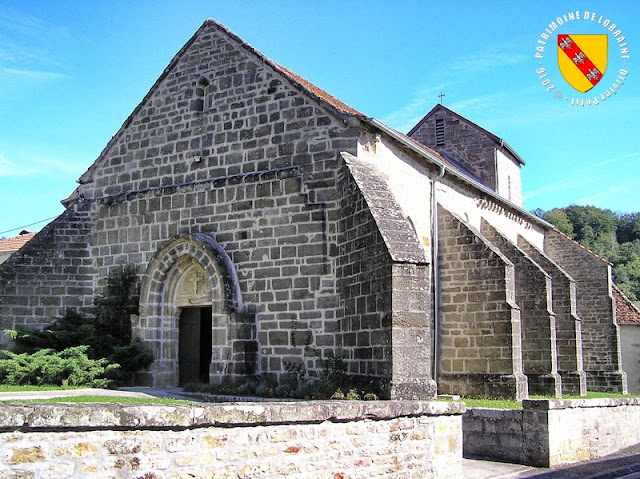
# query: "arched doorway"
{"type": "Point", "coordinates": [193, 296]}
{"type": "Point", "coordinates": [190, 313]}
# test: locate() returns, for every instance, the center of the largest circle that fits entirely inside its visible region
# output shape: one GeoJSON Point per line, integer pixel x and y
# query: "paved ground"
{"type": "Point", "coordinates": [175, 393]}
{"type": "Point", "coordinates": [622, 465]}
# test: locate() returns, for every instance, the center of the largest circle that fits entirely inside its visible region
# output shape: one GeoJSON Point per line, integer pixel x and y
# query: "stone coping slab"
{"type": "Point", "coordinates": [551, 404]}
{"type": "Point", "coordinates": [102, 416]}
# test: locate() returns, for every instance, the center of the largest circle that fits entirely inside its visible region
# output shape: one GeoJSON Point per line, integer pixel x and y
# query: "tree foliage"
{"type": "Point", "coordinates": [70, 367]}
{"type": "Point", "coordinates": [615, 237]}
{"type": "Point", "coordinates": [106, 336]}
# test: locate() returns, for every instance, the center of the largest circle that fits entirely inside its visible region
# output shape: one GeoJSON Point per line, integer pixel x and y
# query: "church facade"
{"type": "Point", "coordinates": [272, 224]}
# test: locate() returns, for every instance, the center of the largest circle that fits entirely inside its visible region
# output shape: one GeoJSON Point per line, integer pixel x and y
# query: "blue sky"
{"type": "Point", "coordinates": [71, 72]}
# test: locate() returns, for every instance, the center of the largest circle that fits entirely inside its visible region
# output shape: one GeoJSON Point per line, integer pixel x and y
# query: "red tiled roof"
{"type": "Point", "coordinates": [626, 311]}
{"type": "Point", "coordinates": [319, 92]}
{"type": "Point", "coordinates": [11, 245]}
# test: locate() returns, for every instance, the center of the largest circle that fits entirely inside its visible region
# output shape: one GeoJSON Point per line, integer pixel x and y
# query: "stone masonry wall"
{"type": "Point", "coordinates": [254, 166]}
{"type": "Point", "coordinates": [365, 275]}
{"type": "Point", "coordinates": [295, 440]}
{"type": "Point", "coordinates": [596, 308]}
{"type": "Point", "coordinates": [276, 241]}
{"type": "Point", "coordinates": [412, 350]}
{"type": "Point", "coordinates": [480, 329]}
{"type": "Point", "coordinates": [473, 150]}
{"type": "Point", "coordinates": [568, 324]}
{"type": "Point", "coordinates": [552, 433]}
{"type": "Point", "coordinates": [385, 282]}
{"type": "Point", "coordinates": [51, 273]}
{"type": "Point", "coordinates": [533, 296]}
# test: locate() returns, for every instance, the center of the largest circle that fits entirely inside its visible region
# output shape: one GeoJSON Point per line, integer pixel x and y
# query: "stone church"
{"type": "Point", "coordinates": [271, 223]}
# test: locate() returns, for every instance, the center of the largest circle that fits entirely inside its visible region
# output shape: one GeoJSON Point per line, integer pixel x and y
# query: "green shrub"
{"type": "Point", "coordinates": [333, 371]}
{"type": "Point", "coordinates": [296, 370]}
{"type": "Point", "coordinates": [107, 335]}
{"type": "Point", "coordinates": [114, 308]}
{"type": "Point", "coordinates": [263, 389]}
{"type": "Point", "coordinates": [131, 358]}
{"type": "Point", "coordinates": [283, 390]}
{"type": "Point", "coordinates": [352, 395]}
{"type": "Point", "coordinates": [70, 367]}
{"type": "Point", "coordinates": [72, 329]}
{"type": "Point", "coordinates": [338, 394]}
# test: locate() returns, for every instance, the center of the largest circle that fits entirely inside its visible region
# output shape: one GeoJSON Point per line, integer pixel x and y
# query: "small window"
{"type": "Point", "coordinates": [201, 91]}
{"type": "Point", "coordinates": [440, 132]}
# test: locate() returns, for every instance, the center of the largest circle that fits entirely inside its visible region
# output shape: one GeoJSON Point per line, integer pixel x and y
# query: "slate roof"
{"type": "Point", "coordinates": [11, 245]}
{"type": "Point", "coordinates": [626, 311]}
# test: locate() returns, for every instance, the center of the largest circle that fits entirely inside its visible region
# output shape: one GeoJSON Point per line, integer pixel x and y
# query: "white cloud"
{"type": "Point", "coordinates": [579, 181]}
{"type": "Point", "coordinates": [30, 75]}
{"type": "Point", "coordinates": [29, 48]}
{"type": "Point", "coordinates": [452, 77]}
{"type": "Point", "coordinates": [490, 59]}
{"type": "Point", "coordinates": [34, 164]}
{"type": "Point", "coordinates": [8, 168]}
{"type": "Point", "coordinates": [23, 25]}
{"type": "Point", "coordinates": [615, 197]}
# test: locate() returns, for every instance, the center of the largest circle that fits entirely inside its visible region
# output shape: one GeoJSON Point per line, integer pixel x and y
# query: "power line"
{"type": "Point", "coordinates": [26, 226]}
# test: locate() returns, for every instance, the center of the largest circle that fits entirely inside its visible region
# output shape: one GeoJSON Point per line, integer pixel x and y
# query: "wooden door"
{"type": "Point", "coordinates": [189, 346]}
{"type": "Point", "coordinates": [194, 348]}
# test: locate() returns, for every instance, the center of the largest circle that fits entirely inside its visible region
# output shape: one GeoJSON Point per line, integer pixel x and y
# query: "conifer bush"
{"type": "Point", "coordinates": [105, 341]}
{"type": "Point", "coordinates": [70, 367]}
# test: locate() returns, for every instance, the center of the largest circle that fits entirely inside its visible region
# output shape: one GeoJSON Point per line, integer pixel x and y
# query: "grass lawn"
{"type": "Point", "coordinates": [512, 404]}
{"type": "Point", "coordinates": [81, 399]}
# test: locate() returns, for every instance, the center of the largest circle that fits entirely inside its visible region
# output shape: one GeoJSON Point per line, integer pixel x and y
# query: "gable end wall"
{"type": "Point", "coordinates": [473, 150]}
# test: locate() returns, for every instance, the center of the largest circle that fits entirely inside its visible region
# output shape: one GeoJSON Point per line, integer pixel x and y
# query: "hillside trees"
{"type": "Point", "coordinates": [613, 236]}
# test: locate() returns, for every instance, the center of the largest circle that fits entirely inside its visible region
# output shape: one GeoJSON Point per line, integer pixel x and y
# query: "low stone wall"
{"type": "Point", "coordinates": [296, 440]}
{"type": "Point", "coordinates": [550, 433]}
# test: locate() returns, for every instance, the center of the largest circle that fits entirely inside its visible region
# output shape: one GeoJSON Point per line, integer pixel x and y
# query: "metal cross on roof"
{"type": "Point", "coordinates": [441, 95]}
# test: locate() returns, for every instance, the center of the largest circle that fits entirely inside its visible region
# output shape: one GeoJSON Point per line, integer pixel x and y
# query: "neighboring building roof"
{"type": "Point", "coordinates": [626, 311]}
{"type": "Point", "coordinates": [11, 245]}
{"type": "Point", "coordinates": [495, 138]}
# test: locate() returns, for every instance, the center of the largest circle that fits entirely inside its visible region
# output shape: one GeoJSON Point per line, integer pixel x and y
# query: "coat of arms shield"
{"type": "Point", "coordinates": [582, 59]}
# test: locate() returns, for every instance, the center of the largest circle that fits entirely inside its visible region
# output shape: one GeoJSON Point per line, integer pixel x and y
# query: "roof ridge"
{"type": "Point", "coordinates": [493, 136]}
{"type": "Point", "coordinates": [296, 79]}
{"type": "Point", "coordinates": [317, 91]}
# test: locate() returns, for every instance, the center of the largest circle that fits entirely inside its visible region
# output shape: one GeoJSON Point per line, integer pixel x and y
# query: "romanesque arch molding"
{"type": "Point", "coordinates": [191, 272]}
{"type": "Point", "coordinates": [167, 269]}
